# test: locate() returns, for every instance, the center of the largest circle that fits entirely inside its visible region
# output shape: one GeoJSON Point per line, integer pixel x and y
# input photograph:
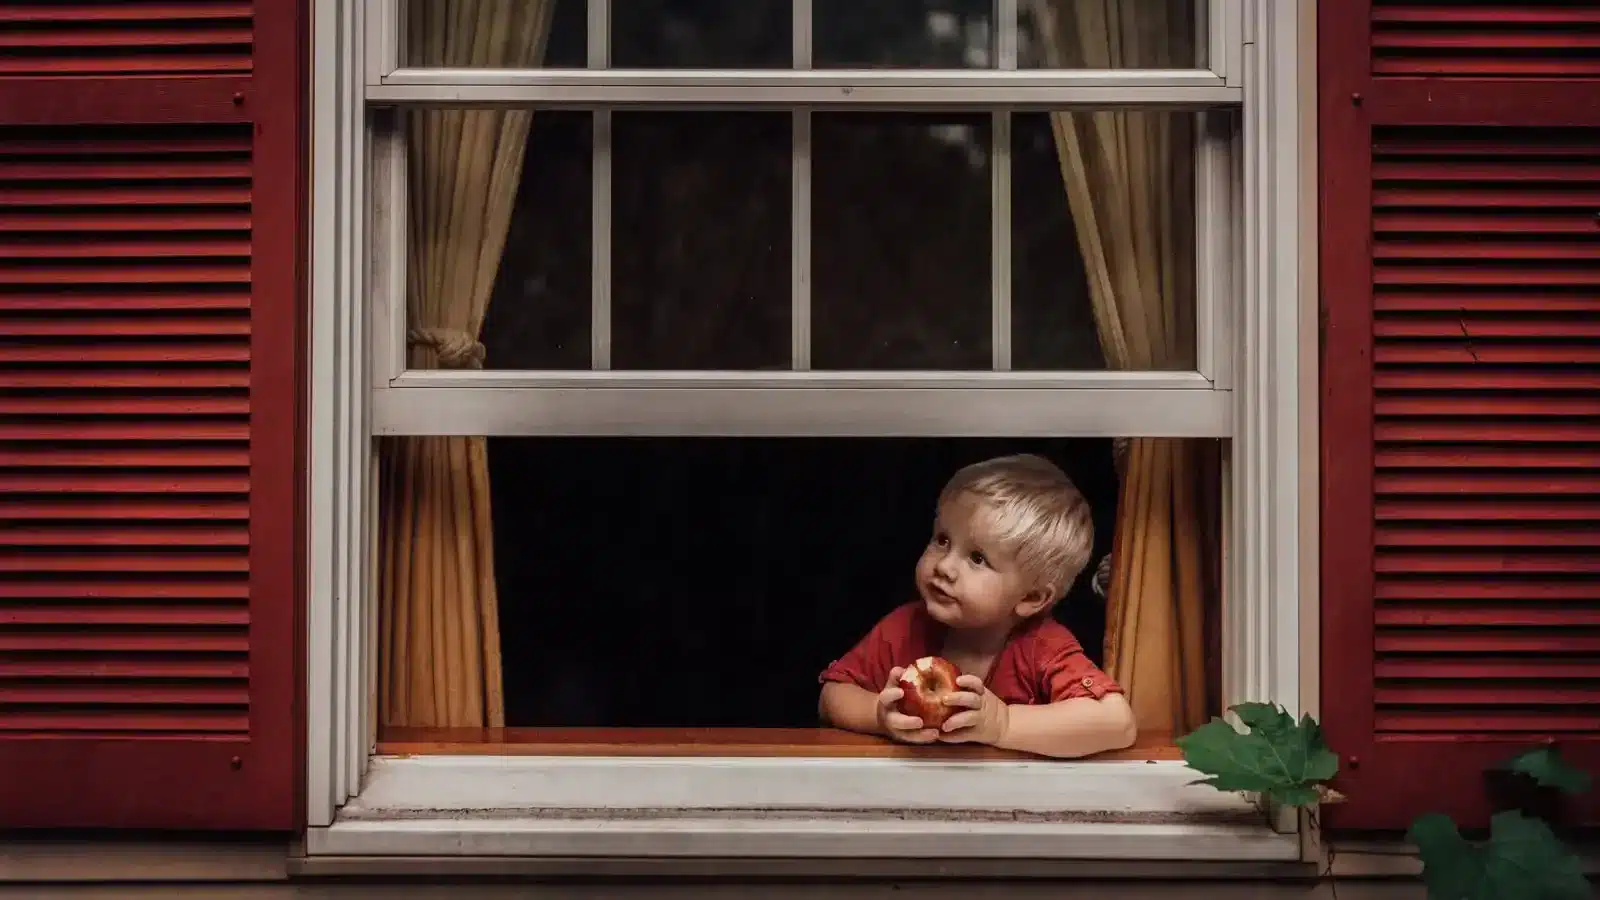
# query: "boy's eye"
{"type": "Point", "coordinates": [978, 558]}
{"type": "Point", "coordinates": [940, 539]}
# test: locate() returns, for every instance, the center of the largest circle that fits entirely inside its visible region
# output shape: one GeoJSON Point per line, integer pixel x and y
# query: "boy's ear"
{"type": "Point", "coordinates": [1035, 601]}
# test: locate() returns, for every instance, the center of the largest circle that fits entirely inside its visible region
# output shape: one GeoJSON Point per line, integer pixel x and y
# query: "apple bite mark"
{"type": "Point", "coordinates": [926, 683]}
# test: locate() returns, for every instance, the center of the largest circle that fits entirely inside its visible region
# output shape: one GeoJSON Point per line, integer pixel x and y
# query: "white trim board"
{"type": "Point", "coordinates": [675, 807]}
{"type": "Point", "coordinates": [833, 837]}
{"type": "Point", "coordinates": [421, 805]}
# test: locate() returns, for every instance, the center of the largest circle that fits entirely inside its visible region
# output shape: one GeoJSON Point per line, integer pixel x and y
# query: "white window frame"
{"type": "Point", "coordinates": [1245, 388]}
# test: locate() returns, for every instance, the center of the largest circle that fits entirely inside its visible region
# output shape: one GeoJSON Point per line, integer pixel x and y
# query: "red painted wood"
{"type": "Point", "coordinates": [81, 37]}
{"type": "Point", "coordinates": [151, 302]}
{"type": "Point", "coordinates": [126, 100]}
{"type": "Point", "coordinates": [1510, 102]}
{"type": "Point", "coordinates": [1445, 39]}
{"type": "Point", "coordinates": [1460, 364]}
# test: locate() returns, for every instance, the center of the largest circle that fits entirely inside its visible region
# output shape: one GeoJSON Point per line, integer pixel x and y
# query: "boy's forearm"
{"type": "Point", "coordinates": [849, 707]}
{"type": "Point", "coordinates": [1069, 729]}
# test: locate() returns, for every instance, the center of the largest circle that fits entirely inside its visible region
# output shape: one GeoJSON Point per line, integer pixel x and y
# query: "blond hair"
{"type": "Point", "coordinates": [1037, 513]}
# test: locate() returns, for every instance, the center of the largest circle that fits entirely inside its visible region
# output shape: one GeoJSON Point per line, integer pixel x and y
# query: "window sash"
{"type": "Point", "coordinates": [1220, 41]}
{"type": "Point", "coordinates": [876, 403]}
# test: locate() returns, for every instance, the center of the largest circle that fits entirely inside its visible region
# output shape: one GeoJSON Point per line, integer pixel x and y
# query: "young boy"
{"type": "Point", "coordinates": [1010, 537]}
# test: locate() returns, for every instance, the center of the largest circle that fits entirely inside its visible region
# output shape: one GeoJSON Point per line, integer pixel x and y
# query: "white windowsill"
{"type": "Point", "coordinates": [486, 806]}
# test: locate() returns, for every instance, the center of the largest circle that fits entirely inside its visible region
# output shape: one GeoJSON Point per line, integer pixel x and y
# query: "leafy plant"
{"type": "Point", "coordinates": [1277, 757]}
{"type": "Point", "coordinates": [1522, 860]}
{"type": "Point", "coordinates": [1288, 761]}
{"type": "Point", "coordinates": [1547, 769]}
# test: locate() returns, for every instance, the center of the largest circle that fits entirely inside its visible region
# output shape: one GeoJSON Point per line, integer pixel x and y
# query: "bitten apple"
{"type": "Point", "coordinates": [926, 683]}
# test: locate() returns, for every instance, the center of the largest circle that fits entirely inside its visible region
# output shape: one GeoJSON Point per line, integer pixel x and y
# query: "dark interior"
{"type": "Point", "coordinates": [706, 582]}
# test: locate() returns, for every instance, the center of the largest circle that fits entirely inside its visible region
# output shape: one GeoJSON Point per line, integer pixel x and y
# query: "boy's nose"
{"type": "Point", "coordinates": [946, 567]}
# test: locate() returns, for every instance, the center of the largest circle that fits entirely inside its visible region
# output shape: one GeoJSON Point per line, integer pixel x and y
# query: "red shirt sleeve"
{"type": "Point", "coordinates": [1065, 670]}
{"type": "Point", "coordinates": [867, 664]}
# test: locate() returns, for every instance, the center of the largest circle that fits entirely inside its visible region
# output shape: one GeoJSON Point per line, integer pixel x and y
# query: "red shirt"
{"type": "Point", "coordinates": [1041, 663]}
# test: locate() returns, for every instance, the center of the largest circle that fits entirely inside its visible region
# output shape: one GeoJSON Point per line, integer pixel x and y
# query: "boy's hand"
{"type": "Point", "coordinates": [895, 723]}
{"type": "Point", "coordinates": [983, 715]}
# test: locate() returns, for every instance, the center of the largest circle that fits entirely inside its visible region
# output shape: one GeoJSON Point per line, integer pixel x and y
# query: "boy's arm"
{"type": "Point", "coordinates": [850, 707]}
{"type": "Point", "coordinates": [1079, 726]}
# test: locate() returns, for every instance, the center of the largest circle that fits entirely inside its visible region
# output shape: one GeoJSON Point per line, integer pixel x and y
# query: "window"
{"type": "Point", "coordinates": [559, 231]}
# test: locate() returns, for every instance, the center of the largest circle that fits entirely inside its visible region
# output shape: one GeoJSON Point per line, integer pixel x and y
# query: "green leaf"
{"type": "Point", "coordinates": [1546, 767]}
{"type": "Point", "coordinates": [1278, 757]}
{"type": "Point", "coordinates": [1522, 860]}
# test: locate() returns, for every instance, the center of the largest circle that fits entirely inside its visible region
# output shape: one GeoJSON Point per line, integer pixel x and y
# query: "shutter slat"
{"type": "Point", "coordinates": [1485, 39]}
{"type": "Point", "coordinates": [59, 666]}
{"type": "Point", "coordinates": [1434, 535]}
{"type": "Point", "coordinates": [126, 196]}
{"type": "Point", "coordinates": [118, 405]}
{"type": "Point", "coordinates": [118, 457]}
{"type": "Point", "coordinates": [1416, 402]}
{"type": "Point", "coordinates": [188, 378]}
{"type": "Point", "coordinates": [177, 641]}
{"type": "Point", "coordinates": [1495, 481]}
{"type": "Point", "coordinates": [104, 351]}
{"type": "Point", "coordinates": [225, 613]}
{"type": "Point", "coordinates": [120, 507]}
{"type": "Point", "coordinates": [1525, 614]}
{"type": "Point", "coordinates": [130, 326]}
{"type": "Point", "coordinates": [148, 534]}
{"type": "Point", "coordinates": [125, 431]}
{"type": "Point", "coordinates": [127, 588]}
{"type": "Point", "coordinates": [35, 562]}
{"type": "Point", "coordinates": [140, 221]}
{"type": "Point", "coordinates": [123, 482]}
{"type": "Point", "coordinates": [148, 723]}
{"type": "Point", "coordinates": [1483, 381]}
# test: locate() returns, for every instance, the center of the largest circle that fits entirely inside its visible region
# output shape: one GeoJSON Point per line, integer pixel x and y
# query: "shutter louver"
{"type": "Point", "coordinates": [124, 448]}
{"type": "Point", "coordinates": [135, 37]}
{"type": "Point", "coordinates": [1486, 347]}
{"type": "Point", "coordinates": [1485, 38]}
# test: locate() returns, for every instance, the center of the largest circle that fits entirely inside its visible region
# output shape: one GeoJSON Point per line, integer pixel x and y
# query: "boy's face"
{"type": "Point", "coordinates": [967, 578]}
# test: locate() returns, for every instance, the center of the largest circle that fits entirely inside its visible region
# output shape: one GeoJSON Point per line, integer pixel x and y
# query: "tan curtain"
{"type": "Point", "coordinates": [438, 613]}
{"type": "Point", "coordinates": [1129, 182]}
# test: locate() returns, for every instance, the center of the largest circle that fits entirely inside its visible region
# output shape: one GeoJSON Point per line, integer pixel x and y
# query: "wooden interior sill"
{"type": "Point", "coordinates": [706, 742]}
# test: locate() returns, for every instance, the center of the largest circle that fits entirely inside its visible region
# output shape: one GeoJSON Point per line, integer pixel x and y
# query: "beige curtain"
{"type": "Point", "coordinates": [438, 614]}
{"type": "Point", "coordinates": [1129, 182]}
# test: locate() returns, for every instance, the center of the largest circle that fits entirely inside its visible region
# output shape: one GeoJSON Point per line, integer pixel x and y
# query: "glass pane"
{"type": "Point", "coordinates": [497, 242]}
{"type": "Point", "coordinates": [701, 34]}
{"type": "Point", "coordinates": [1108, 34]}
{"type": "Point", "coordinates": [510, 34]}
{"type": "Point", "coordinates": [538, 314]}
{"type": "Point", "coordinates": [900, 241]}
{"type": "Point", "coordinates": [903, 34]}
{"type": "Point", "coordinates": [1106, 200]}
{"type": "Point", "coordinates": [701, 241]}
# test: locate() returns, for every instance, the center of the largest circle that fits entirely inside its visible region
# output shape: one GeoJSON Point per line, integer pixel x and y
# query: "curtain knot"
{"type": "Point", "coordinates": [456, 348]}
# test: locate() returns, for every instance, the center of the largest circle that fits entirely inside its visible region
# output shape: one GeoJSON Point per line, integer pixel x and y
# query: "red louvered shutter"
{"type": "Point", "coordinates": [1461, 399]}
{"type": "Point", "coordinates": [150, 299]}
